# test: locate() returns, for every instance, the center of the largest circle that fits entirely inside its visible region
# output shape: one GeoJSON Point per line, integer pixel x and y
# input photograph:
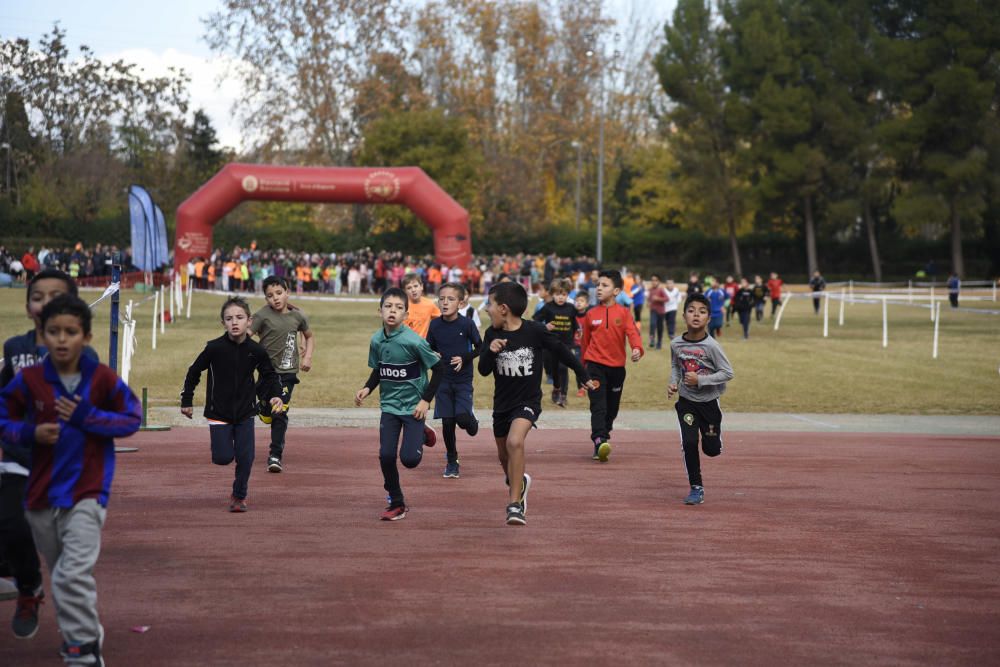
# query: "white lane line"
{"type": "Point", "coordinates": [812, 421]}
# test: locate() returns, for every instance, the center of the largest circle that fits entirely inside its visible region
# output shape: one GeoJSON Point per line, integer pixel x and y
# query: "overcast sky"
{"type": "Point", "coordinates": [157, 35]}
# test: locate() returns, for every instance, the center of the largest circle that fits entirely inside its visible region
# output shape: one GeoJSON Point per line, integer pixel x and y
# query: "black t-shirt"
{"type": "Point", "coordinates": [563, 320]}
{"type": "Point", "coordinates": [517, 369]}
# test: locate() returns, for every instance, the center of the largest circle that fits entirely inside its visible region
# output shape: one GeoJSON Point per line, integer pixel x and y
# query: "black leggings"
{"type": "Point", "coordinates": [699, 419]}
{"type": "Point", "coordinates": [17, 546]}
{"type": "Point", "coordinates": [606, 399]}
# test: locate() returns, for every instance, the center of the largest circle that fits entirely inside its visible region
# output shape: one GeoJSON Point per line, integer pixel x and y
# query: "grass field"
{"type": "Point", "coordinates": [791, 370]}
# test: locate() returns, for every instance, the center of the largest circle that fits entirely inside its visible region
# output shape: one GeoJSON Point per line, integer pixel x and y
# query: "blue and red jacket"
{"type": "Point", "coordinates": [82, 462]}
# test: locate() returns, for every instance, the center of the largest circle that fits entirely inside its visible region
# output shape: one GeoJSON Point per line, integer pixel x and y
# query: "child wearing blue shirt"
{"type": "Point", "coordinates": [457, 340]}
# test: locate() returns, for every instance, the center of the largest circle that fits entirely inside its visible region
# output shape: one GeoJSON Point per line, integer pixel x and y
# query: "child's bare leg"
{"type": "Point", "coordinates": [502, 452]}
{"type": "Point", "coordinates": [515, 456]}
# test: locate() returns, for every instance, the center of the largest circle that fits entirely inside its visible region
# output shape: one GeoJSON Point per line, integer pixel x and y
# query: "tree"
{"type": "Point", "coordinates": [19, 145]}
{"type": "Point", "coordinates": [205, 159]}
{"type": "Point", "coordinates": [711, 155]}
{"type": "Point", "coordinates": [943, 64]}
{"type": "Point", "coordinates": [437, 144]}
{"type": "Point", "coordinates": [95, 125]}
{"type": "Point", "coordinates": [303, 61]}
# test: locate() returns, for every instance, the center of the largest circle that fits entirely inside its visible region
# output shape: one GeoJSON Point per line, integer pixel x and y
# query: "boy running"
{"type": "Point", "coordinates": [399, 360]}
{"type": "Point", "coordinates": [512, 353]}
{"type": "Point", "coordinates": [420, 310]}
{"type": "Point", "coordinates": [230, 396]}
{"type": "Point", "coordinates": [559, 317]}
{"type": "Point", "coordinates": [60, 417]}
{"type": "Point", "coordinates": [17, 546]}
{"type": "Point", "coordinates": [699, 370]}
{"type": "Point", "coordinates": [277, 326]}
{"type": "Point", "coordinates": [717, 299]}
{"type": "Point", "coordinates": [658, 298]}
{"type": "Point", "coordinates": [457, 340]}
{"type": "Point", "coordinates": [606, 328]}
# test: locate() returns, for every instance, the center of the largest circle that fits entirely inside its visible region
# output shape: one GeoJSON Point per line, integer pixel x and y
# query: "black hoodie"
{"type": "Point", "coordinates": [231, 395]}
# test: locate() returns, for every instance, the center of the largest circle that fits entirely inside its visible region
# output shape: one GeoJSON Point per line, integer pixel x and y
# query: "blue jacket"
{"type": "Point", "coordinates": [82, 462]}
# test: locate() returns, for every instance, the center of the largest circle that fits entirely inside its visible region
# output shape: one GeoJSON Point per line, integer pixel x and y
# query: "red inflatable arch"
{"type": "Point", "coordinates": [408, 186]}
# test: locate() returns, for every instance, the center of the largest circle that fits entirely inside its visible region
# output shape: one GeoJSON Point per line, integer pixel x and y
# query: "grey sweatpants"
{"type": "Point", "coordinates": [70, 541]}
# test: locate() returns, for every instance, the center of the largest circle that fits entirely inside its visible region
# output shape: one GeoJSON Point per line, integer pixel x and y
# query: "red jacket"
{"type": "Point", "coordinates": [605, 329]}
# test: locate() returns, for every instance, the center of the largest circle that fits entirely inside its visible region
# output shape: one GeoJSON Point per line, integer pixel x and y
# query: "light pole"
{"type": "Point", "coordinates": [595, 51]}
{"type": "Point", "coordinates": [579, 168]}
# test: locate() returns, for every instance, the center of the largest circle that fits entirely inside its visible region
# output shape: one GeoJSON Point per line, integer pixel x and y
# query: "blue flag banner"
{"type": "Point", "coordinates": [144, 241]}
{"type": "Point", "coordinates": [161, 238]}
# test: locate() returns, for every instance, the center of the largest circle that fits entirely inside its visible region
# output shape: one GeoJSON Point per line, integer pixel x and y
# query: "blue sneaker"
{"type": "Point", "coordinates": [451, 470]}
{"type": "Point", "coordinates": [696, 497]}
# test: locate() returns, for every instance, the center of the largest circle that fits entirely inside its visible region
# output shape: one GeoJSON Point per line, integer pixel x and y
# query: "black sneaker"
{"type": "Point", "coordinates": [451, 470]}
{"type": "Point", "coordinates": [525, 486]}
{"type": "Point", "coordinates": [473, 428]}
{"type": "Point", "coordinates": [25, 623]}
{"type": "Point", "coordinates": [274, 464]}
{"type": "Point", "coordinates": [555, 395]}
{"type": "Point", "coordinates": [515, 515]}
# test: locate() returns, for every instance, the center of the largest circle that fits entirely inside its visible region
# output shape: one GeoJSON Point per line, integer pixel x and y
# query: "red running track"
{"type": "Point", "coordinates": [810, 549]}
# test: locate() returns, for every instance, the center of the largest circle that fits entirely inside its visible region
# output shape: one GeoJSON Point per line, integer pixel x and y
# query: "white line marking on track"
{"type": "Point", "coordinates": [813, 421]}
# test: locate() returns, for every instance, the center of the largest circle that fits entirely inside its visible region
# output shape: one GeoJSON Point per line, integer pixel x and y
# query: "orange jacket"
{"type": "Point", "coordinates": [604, 333]}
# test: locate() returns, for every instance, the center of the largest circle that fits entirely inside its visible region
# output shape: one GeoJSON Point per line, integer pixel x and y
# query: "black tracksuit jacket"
{"type": "Point", "coordinates": [231, 394]}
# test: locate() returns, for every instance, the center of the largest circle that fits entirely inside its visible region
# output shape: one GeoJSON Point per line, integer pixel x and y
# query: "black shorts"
{"type": "Point", "coordinates": [503, 420]}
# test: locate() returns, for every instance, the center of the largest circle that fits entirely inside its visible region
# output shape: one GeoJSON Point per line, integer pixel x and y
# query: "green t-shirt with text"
{"type": "Point", "coordinates": [402, 359]}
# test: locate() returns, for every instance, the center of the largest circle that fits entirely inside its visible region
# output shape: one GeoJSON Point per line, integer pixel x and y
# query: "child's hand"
{"type": "Point", "coordinates": [187, 412]}
{"type": "Point", "coordinates": [671, 390]}
{"type": "Point", "coordinates": [360, 396]}
{"type": "Point", "coordinates": [497, 344]}
{"type": "Point", "coordinates": [47, 434]}
{"type": "Point", "coordinates": [592, 385]}
{"type": "Point", "coordinates": [637, 354]}
{"type": "Point", "coordinates": [65, 406]}
{"type": "Point", "coordinates": [277, 405]}
{"type": "Point", "coordinates": [421, 410]}
{"type": "Point", "coordinates": [691, 379]}
{"type": "Point", "coordinates": [306, 364]}
{"type": "Point", "coordinates": [550, 326]}
{"type": "Point", "coordinates": [456, 363]}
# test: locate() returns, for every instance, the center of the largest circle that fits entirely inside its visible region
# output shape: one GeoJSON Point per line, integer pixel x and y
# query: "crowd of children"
{"type": "Point", "coordinates": [60, 404]}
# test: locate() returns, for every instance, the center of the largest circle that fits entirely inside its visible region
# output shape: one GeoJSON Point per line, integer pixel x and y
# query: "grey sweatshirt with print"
{"type": "Point", "coordinates": [704, 357]}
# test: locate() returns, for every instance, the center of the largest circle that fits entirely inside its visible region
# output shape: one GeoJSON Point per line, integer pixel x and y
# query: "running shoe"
{"type": "Point", "coordinates": [696, 497]}
{"type": "Point", "coordinates": [515, 515]}
{"type": "Point", "coordinates": [430, 437]}
{"type": "Point", "coordinates": [273, 464]}
{"type": "Point", "coordinates": [603, 451]}
{"type": "Point", "coordinates": [394, 513]}
{"type": "Point", "coordinates": [525, 487]}
{"type": "Point", "coordinates": [451, 470]}
{"type": "Point", "coordinates": [25, 623]}
{"type": "Point", "coordinates": [237, 504]}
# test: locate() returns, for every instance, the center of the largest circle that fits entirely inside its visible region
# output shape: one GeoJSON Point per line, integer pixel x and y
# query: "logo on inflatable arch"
{"type": "Point", "coordinates": [381, 186]}
{"type": "Point", "coordinates": [250, 183]}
